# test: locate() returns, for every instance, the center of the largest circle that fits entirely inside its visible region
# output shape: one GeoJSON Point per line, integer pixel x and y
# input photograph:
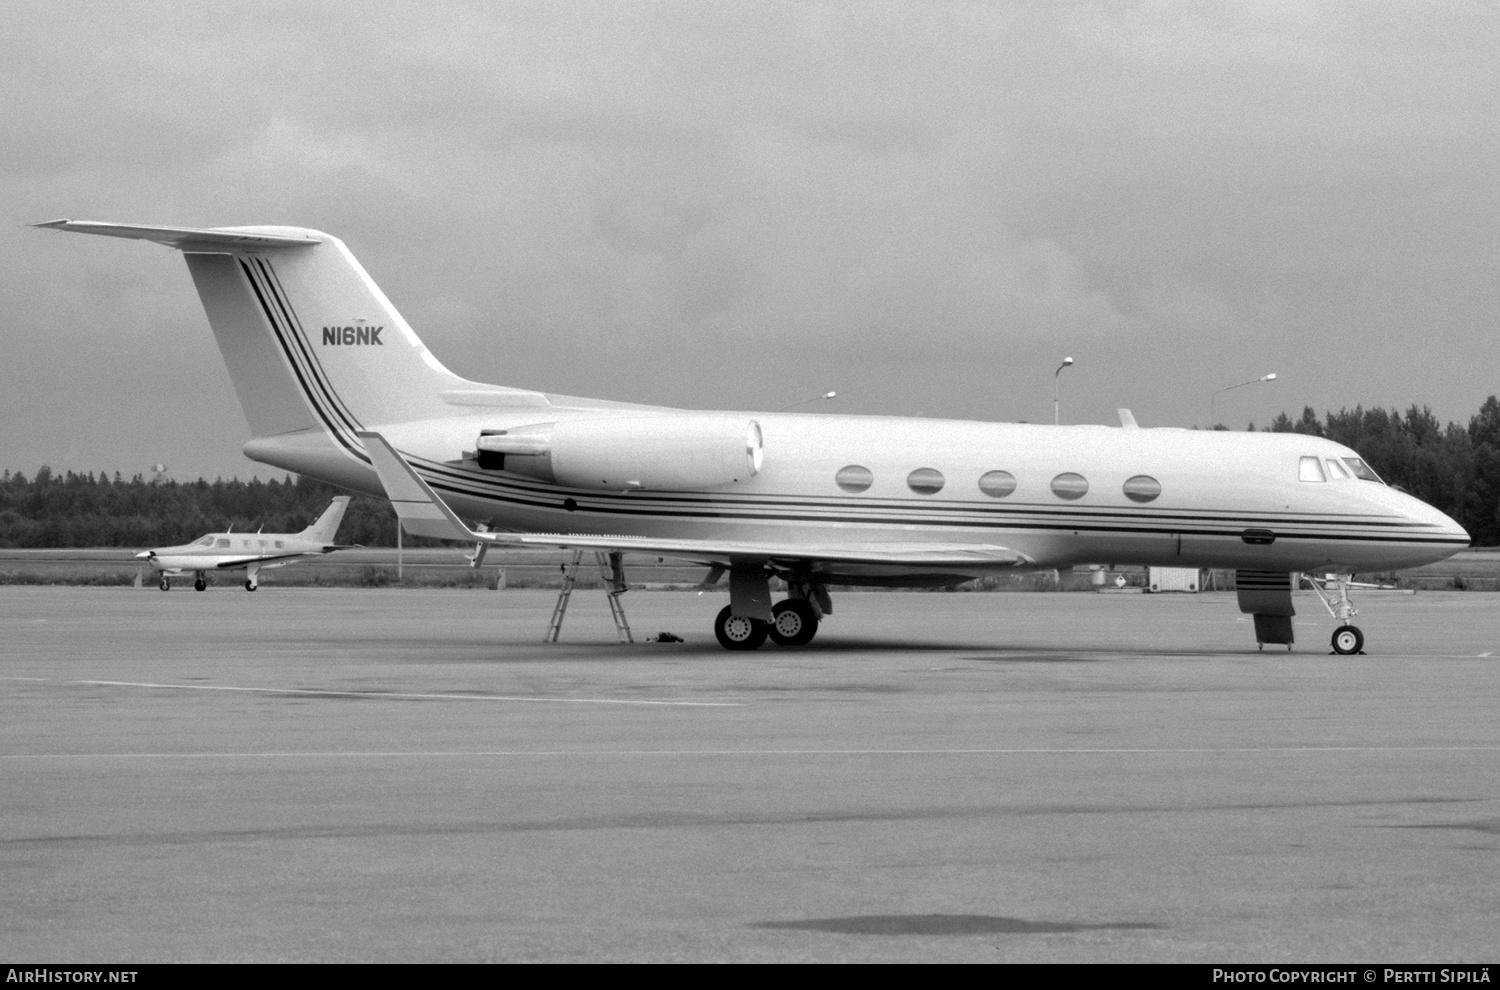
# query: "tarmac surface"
{"type": "Point", "coordinates": [368, 775]}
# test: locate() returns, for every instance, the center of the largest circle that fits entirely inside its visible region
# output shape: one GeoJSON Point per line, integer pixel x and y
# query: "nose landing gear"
{"type": "Point", "coordinates": [1347, 639]}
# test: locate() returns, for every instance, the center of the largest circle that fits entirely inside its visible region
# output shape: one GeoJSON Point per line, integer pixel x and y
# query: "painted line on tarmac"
{"type": "Point", "coordinates": [602, 753]}
{"type": "Point", "coordinates": [398, 695]}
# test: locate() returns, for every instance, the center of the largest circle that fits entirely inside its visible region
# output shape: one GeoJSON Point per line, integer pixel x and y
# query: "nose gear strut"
{"type": "Point", "coordinates": [1347, 639]}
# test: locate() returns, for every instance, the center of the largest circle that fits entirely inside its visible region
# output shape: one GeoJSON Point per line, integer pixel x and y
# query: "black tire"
{"type": "Point", "coordinates": [249, 586]}
{"type": "Point", "coordinates": [739, 632]}
{"type": "Point", "coordinates": [1348, 640]}
{"type": "Point", "coordinates": [794, 623]}
{"type": "Point", "coordinates": [200, 584]}
{"type": "Point", "coordinates": [166, 584]}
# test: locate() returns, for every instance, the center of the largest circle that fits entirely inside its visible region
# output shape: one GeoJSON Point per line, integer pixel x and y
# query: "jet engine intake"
{"type": "Point", "coordinates": [662, 453]}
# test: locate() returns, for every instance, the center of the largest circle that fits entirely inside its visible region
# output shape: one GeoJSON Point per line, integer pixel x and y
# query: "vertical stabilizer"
{"type": "Point", "coordinates": [310, 341]}
{"type": "Point", "coordinates": [327, 525]}
{"type": "Point", "coordinates": [342, 345]}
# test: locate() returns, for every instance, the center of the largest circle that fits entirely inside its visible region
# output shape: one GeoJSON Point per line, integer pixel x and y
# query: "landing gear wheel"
{"type": "Point", "coordinates": [794, 623]}
{"type": "Point", "coordinates": [166, 584]}
{"type": "Point", "coordinates": [739, 632]}
{"type": "Point", "coordinates": [1348, 640]}
{"type": "Point", "coordinates": [199, 584]}
{"type": "Point", "coordinates": [250, 585]}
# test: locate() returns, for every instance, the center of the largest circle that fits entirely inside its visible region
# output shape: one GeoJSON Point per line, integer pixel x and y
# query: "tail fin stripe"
{"type": "Point", "coordinates": [331, 396]}
{"type": "Point", "coordinates": [296, 340]}
{"type": "Point", "coordinates": [299, 369]}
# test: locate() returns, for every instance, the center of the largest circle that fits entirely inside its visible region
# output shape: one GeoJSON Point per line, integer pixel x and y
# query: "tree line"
{"type": "Point", "coordinates": [89, 510]}
{"type": "Point", "coordinates": [1455, 468]}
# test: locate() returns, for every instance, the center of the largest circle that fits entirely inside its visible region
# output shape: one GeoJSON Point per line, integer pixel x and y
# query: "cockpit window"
{"type": "Point", "coordinates": [1311, 469]}
{"type": "Point", "coordinates": [1336, 470]}
{"type": "Point", "coordinates": [207, 541]}
{"type": "Point", "coordinates": [1362, 470]}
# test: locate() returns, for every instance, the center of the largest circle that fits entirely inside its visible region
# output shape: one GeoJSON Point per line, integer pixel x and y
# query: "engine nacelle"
{"type": "Point", "coordinates": [663, 453]}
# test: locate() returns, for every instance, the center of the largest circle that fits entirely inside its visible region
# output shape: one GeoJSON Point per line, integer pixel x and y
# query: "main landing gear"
{"type": "Point", "coordinates": [199, 584]}
{"type": "Point", "coordinates": [1347, 639]}
{"type": "Point", "coordinates": [739, 632]}
{"type": "Point", "coordinates": [794, 621]}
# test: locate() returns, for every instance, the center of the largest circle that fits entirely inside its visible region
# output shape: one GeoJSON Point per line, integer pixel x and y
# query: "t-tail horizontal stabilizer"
{"type": "Point", "coordinates": [418, 507]}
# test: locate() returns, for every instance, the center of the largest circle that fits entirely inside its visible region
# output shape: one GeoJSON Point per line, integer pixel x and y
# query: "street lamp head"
{"type": "Point", "coordinates": [803, 402]}
{"type": "Point", "coordinates": [1067, 361]}
{"type": "Point", "coordinates": [1269, 378]}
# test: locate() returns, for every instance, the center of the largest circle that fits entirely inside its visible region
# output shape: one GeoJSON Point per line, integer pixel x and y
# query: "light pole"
{"type": "Point", "coordinates": [1067, 363]}
{"type": "Point", "coordinates": [803, 402]}
{"type": "Point", "coordinates": [1263, 378]}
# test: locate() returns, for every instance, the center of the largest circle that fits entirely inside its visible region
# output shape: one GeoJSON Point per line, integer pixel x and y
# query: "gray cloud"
{"type": "Point", "coordinates": [921, 205]}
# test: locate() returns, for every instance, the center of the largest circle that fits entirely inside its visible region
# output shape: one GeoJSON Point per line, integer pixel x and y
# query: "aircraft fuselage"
{"type": "Point", "coordinates": [1229, 500]}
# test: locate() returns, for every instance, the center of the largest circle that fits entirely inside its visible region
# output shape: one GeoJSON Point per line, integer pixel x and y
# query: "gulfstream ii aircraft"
{"type": "Point", "coordinates": [248, 552]}
{"type": "Point", "coordinates": [337, 386]}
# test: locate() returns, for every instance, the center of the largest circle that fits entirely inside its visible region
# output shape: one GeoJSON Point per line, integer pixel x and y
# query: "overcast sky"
{"type": "Point", "coordinates": [924, 206]}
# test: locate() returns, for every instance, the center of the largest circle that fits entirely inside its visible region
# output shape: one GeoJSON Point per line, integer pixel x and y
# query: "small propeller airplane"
{"type": "Point", "coordinates": [337, 386]}
{"type": "Point", "coordinates": [248, 552]}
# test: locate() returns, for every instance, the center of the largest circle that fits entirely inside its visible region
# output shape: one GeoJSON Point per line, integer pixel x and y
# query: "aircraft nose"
{"type": "Point", "coordinates": [145, 555]}
{"type": "Point", "coordinates": [1454, 529]}
{"type": "Point", "coordinates": [1440, 521]}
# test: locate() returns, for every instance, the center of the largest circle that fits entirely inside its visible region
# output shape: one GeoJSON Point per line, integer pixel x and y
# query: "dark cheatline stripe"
{"type": "Point", "coordinates": [482, 485]}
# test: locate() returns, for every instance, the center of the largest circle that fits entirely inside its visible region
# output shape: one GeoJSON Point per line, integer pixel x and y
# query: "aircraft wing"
{"type": "Point", "coordinates": [424, 513]}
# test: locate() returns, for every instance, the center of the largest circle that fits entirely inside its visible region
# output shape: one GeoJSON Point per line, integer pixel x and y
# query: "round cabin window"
{"type": "Point", "coordinates": [854, 478]}
{"type": "Point", "coordinates": [925, 481]}
{"type": "Point", "coordinates": [1142, 488]}
{"type": "Point", "coordinates": [997, 484]}
{"type": "Point", "coordinates": [1070, 486]}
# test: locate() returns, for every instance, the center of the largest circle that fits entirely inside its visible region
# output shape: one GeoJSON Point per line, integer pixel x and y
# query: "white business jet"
{"type": "Point", "coordinates": [248, 552]}
{"type": "Point", "coordinates": [337, 386]}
